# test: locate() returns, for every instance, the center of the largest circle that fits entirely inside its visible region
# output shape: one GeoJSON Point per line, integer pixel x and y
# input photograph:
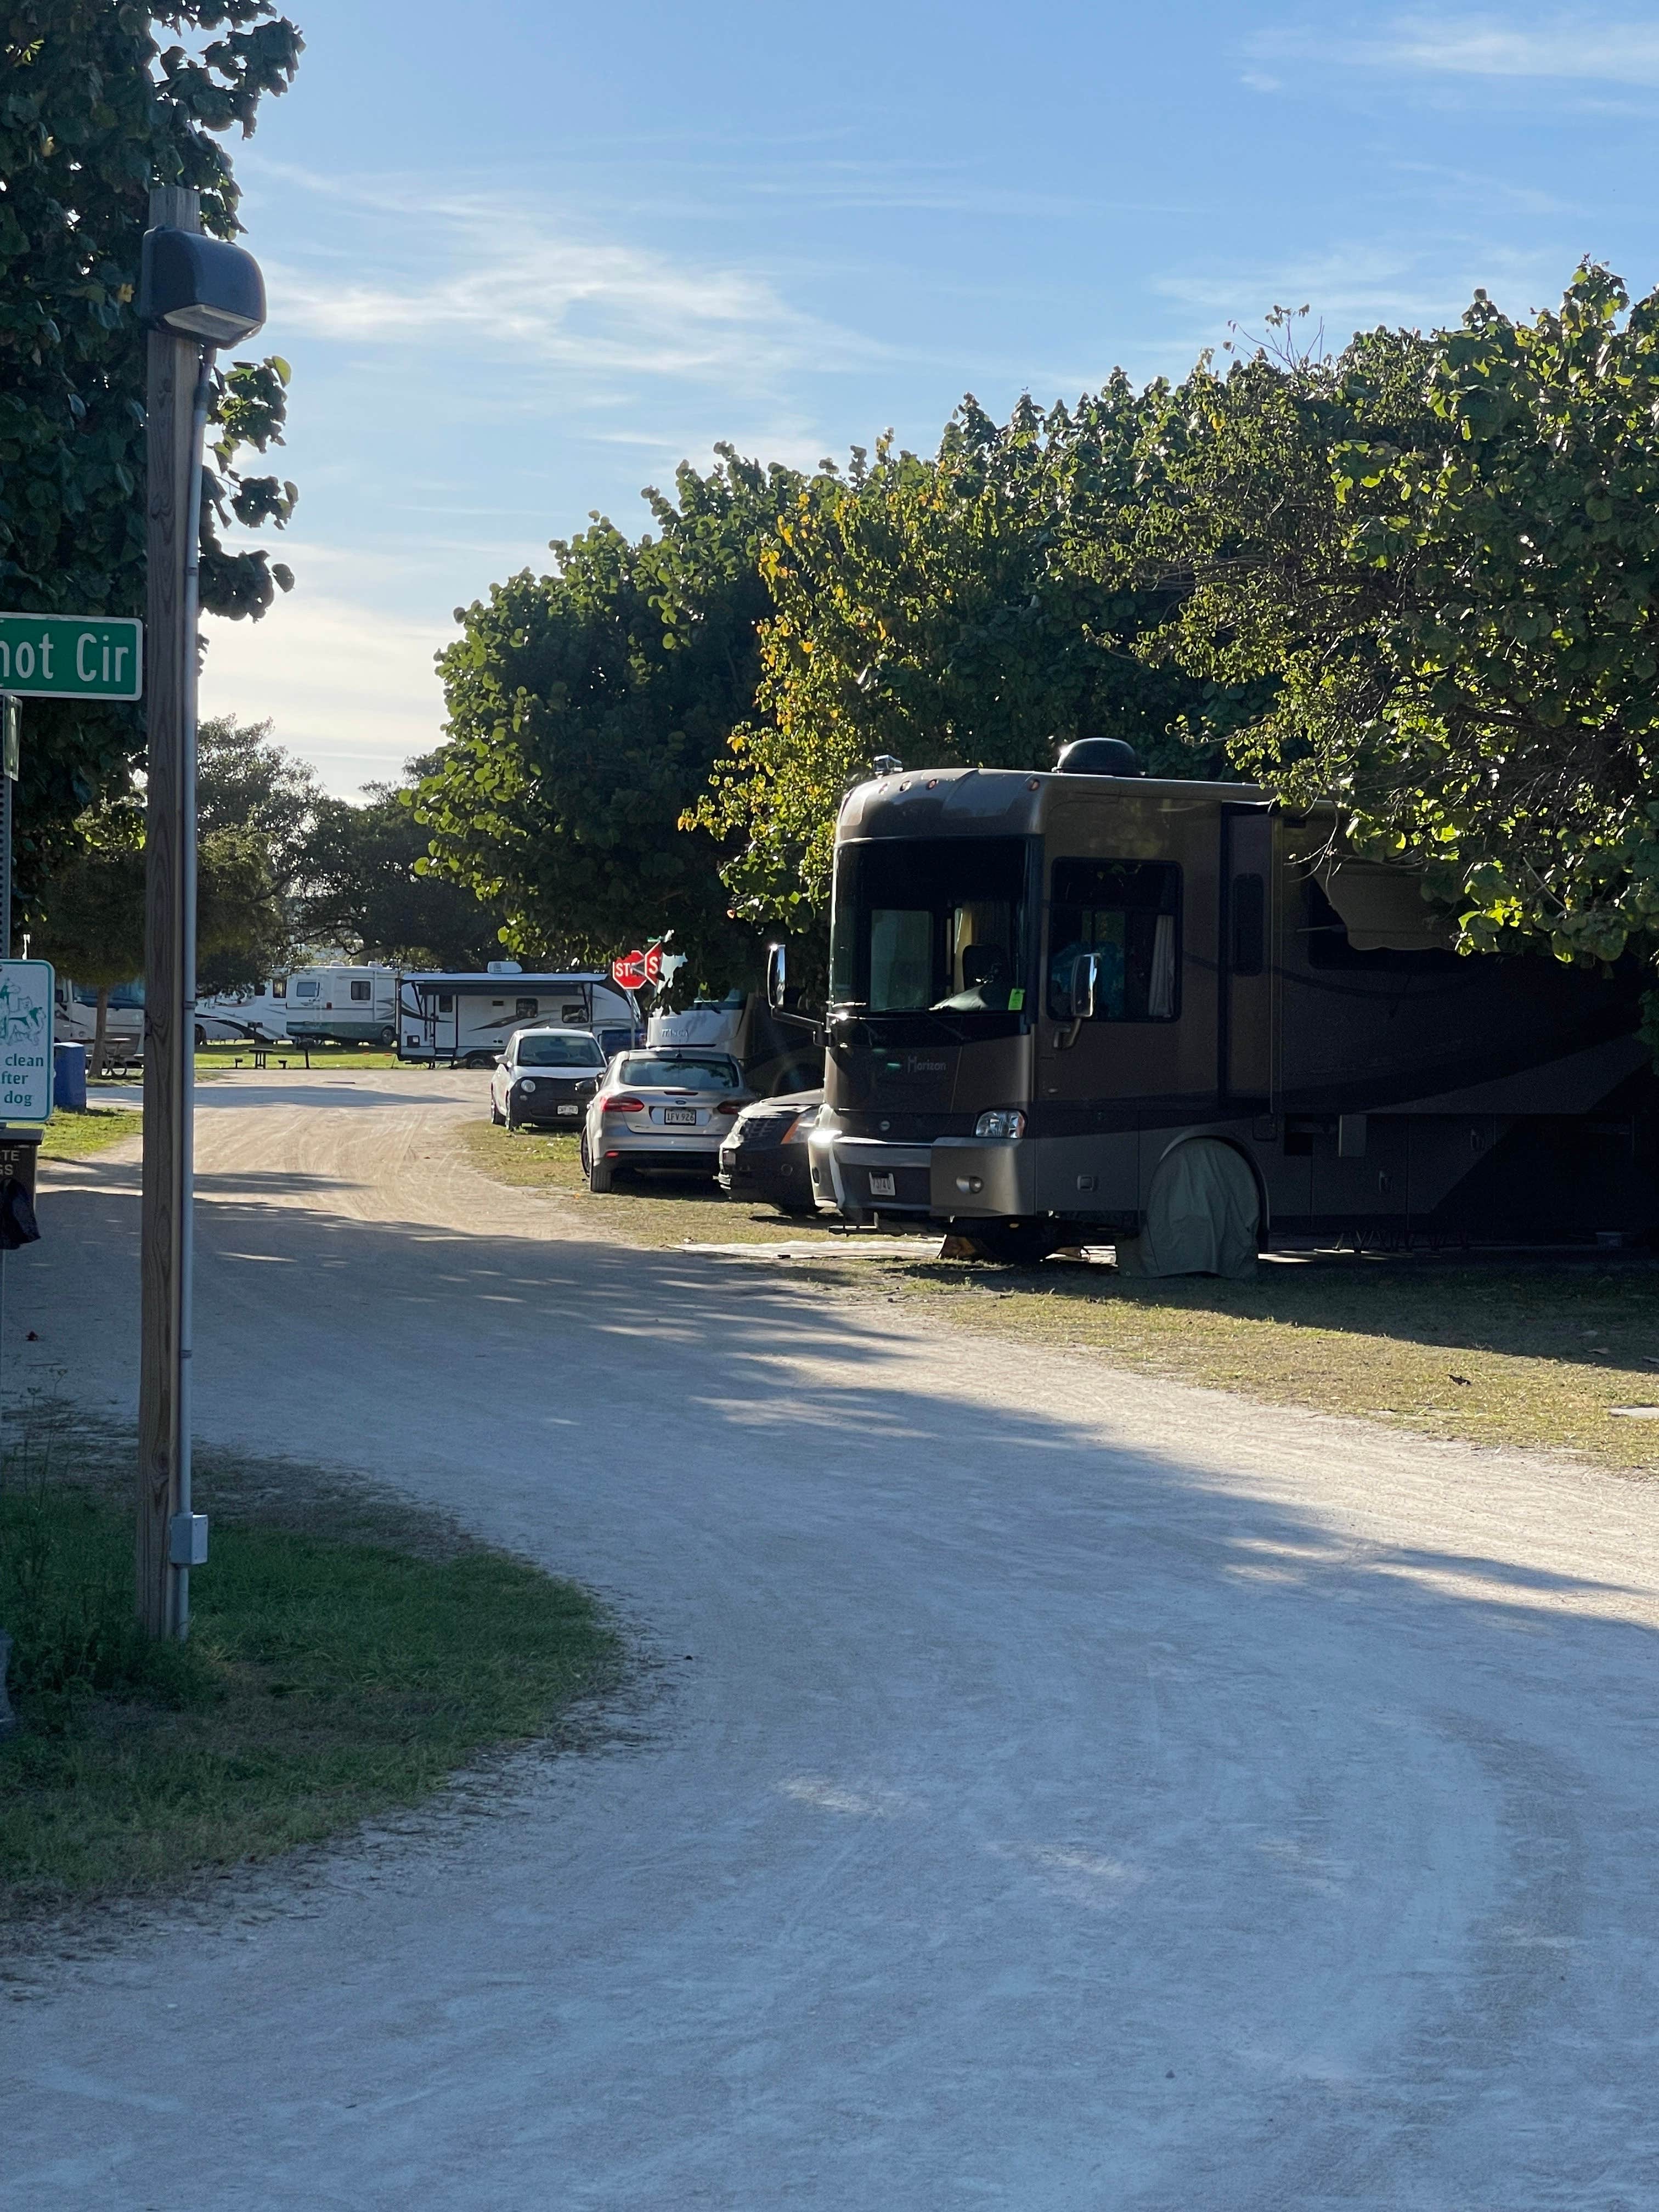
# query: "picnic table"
{"type": "Point", "coordinates": [261, 1054]}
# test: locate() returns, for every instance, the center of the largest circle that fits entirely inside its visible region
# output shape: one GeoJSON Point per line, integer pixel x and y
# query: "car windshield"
{"type": "Point", "coordinates": [559, 1052]}
{"type": "Point", "coordinates": [711, 1072]}
{"type": "Point", "coordinates": [930, 924]}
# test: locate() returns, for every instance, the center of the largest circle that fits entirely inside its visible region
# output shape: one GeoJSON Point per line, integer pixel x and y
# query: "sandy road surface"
{"type": "Point", "coordinates": [1084, 1792]}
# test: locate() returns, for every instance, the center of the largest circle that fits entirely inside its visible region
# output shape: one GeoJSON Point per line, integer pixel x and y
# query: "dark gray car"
{"type": "Point", "coordinates": [765, 1156]}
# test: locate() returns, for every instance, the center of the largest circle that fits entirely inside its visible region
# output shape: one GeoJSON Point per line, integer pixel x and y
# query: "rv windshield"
{"type": "Point", "coordinates": [930, 924]}
{"type": "Point", "coordinates": [559, 1051]}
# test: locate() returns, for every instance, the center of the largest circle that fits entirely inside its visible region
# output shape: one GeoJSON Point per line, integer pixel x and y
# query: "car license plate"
{"type": "Point", "coordinates": [680, 1117]}
{"type": "Point", "coordinates": [570, 1109]}
{"type": "Point", "coordinates": [881, 1185]}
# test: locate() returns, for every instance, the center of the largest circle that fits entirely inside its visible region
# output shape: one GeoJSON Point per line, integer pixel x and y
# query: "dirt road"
{"type": "Point", "coordinates": [1059, 1790]}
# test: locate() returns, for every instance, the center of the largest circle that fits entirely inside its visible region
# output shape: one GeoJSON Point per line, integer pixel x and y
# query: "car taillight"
{"type": "Point", "coordinates": [729, 1106]}
{"type": "Point", "coordinates": [624, 1105]}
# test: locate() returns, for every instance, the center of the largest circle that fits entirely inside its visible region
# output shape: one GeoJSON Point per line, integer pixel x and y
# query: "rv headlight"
{"type": "Point", "coordinates": [1001, 1121]}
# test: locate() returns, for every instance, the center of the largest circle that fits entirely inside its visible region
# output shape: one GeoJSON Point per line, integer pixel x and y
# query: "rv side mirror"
{"type": "Point", "coordinates": [1085, 976]}
{"type": "Point", "coordinates": [777, 971]}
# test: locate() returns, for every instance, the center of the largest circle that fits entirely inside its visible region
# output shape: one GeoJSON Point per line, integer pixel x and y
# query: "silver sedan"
{"type": "Point", "coordinates": [663, 1108]}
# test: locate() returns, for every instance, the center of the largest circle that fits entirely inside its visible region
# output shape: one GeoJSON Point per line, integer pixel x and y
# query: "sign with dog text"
{"type": "Point", "coordinates": [25, 988]}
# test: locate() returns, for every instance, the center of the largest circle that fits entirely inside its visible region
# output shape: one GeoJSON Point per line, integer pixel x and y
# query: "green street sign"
{"type": "Point", "coordinates": [71, 657]}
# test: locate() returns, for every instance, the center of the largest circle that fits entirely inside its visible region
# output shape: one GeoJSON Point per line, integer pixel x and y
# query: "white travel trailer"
{"type": "Point", "coordinates": [343, 1005]}
{"type": "Point", "coordinates": [75, 1016]}
{"type": "Point", "coordinates": [465, 1019]}
{"type": "Point", "coordinates": [259, 1014]}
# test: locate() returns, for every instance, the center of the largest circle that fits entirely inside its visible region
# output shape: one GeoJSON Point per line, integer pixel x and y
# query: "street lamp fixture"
{"type": "Point", "coordinates": [195, 294]}
{"type": "Point", "coordinates": [200, 287]}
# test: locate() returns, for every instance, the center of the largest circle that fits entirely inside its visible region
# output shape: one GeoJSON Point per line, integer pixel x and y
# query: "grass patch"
{"type": "Point", "coordinates": [1532, 1353]}
{"type": "Point", "coordinates": [665, 1210]}
{"type": "Point", "coordinates": [335, 1670]}
{"type": "Point", "coordinates": [1484, 1352]}
{"type": "Point", "coordinates": [73, 1136]}
{"type": "Point", "coordinates": [221, 1058]}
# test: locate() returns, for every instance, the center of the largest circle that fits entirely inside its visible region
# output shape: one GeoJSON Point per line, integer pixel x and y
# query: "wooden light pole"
{"type": "Point", "coordinates": [169, 964]}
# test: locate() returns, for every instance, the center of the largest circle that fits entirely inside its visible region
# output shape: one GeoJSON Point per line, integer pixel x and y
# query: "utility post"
{"type": "Point", "coordinates": [169, 964]}
{"type": "Point", "coordinates": [195, 294]}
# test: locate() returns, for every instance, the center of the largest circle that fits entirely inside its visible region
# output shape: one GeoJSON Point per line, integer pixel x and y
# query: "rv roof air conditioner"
{"type": "Point", "coordinates": [1097, 757]}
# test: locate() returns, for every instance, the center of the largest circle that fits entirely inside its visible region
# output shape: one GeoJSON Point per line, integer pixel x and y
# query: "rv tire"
{"type": "Point", "coordinates": [388, 1038]}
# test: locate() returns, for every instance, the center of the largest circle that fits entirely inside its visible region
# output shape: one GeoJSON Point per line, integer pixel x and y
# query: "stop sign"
{"type": "Point", "coordinates": [628, 971]}
{"type": "Point", "coordinates": [654, 964]}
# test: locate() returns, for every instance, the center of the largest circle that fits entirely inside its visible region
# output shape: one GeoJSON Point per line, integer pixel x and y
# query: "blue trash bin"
{"type": "Point", "coordinates": [69, 1077]}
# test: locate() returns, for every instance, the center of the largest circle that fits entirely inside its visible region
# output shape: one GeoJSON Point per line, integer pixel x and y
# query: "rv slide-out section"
{"type": "Point", "coordinates": [1042, 986]}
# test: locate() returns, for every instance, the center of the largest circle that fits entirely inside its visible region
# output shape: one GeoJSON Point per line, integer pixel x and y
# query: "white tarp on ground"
{"type": "Point", "coordinates": [1202, 1216]}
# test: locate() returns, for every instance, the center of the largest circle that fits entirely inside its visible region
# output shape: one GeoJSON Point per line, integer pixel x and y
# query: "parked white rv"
{"type": "Point", "coordinates": [259, 1014]}
{"type": "Point", "coordinates": [465, 1018]}
{"type": "Point", "coordinates": [75, 1016]}
{"type": "Point", "coordinates": [343, 1005]}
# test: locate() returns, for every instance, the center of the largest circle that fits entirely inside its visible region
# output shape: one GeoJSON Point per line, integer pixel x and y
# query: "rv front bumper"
{"type": "Point", "coordinates": [990, 1178]}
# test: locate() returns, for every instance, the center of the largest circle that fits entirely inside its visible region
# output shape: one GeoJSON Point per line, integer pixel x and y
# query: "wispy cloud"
{"type": "Point", "coordinates": [506, 281]}
{"type": "Point", "coordinates": [349, 686]}
{"type": "Point", "coordinates": [1570, 47]}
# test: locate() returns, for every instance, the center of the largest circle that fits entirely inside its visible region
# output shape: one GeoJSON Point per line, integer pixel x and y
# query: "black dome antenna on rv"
{"type": "Point", "coordinates": [1099, 757]}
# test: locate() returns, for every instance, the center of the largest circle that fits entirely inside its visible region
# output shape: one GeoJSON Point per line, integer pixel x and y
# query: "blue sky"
{"type": "Point", "coordinates": [524, 258]}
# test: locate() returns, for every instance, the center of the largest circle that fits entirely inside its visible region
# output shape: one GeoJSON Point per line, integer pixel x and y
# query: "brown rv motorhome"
{"type": "Point", "coordinates": [1045, 988]}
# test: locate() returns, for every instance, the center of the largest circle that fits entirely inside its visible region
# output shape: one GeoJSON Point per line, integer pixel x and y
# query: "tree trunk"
{"type": "Point", "coordinates": [98, 1026]}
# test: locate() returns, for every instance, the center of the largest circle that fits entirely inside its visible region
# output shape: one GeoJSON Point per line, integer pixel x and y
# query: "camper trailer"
{"type": "Point", "coordinates": [258, 1014]}
{"type": "Point", "coordinates": [464, 1018]}
{"type": "Point", "coordinates": [75, 1018]}
{"type": "Point", "coordinates": [343, 1005]}
{"type": "Point", "coordinates": [1085, 1007]}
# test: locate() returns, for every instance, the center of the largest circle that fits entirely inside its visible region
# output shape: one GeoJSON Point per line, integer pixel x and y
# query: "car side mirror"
{"type": "Point", "coordinates": [777, 976]}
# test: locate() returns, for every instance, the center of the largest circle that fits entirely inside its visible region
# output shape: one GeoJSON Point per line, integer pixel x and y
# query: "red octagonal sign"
{"type": "Point", "coordinates": [628, 971]}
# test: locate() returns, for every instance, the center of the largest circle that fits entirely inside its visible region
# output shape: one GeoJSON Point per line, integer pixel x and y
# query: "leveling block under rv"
{"type": "Point", "coordinates": [1100, 1008]}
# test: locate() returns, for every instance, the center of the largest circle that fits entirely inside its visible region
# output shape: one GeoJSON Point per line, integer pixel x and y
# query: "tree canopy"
{"type": "Point", "coordinates": [363, 892]}
{"type": "Point", "coordinates": [245, 779]}
{"type": "Point", "coordinates": [979, 608]}
{"type": "Point", "coordinates": [1416, 578]}
{"type": "Point", "coordinates": [1445, 553]}
{"type": "Point", "coordinates": [92, 928]}
{"type": "Point", "coordinates": [94, 109]}
{"type": "Point", "coordinates": [587, 708]}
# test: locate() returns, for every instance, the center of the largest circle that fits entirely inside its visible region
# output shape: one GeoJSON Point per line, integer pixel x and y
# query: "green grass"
{"type": "Point", "coordinates": [347, 1655]}
{"type": "Point", "coordinates": [668, 1211]}
{"type": "Point", "coordinates": [1484, 1351]}
{"type": "Point", "coordinates": [216, 1059]}
{"type": "Point", "coordinates": [69, 1136]}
